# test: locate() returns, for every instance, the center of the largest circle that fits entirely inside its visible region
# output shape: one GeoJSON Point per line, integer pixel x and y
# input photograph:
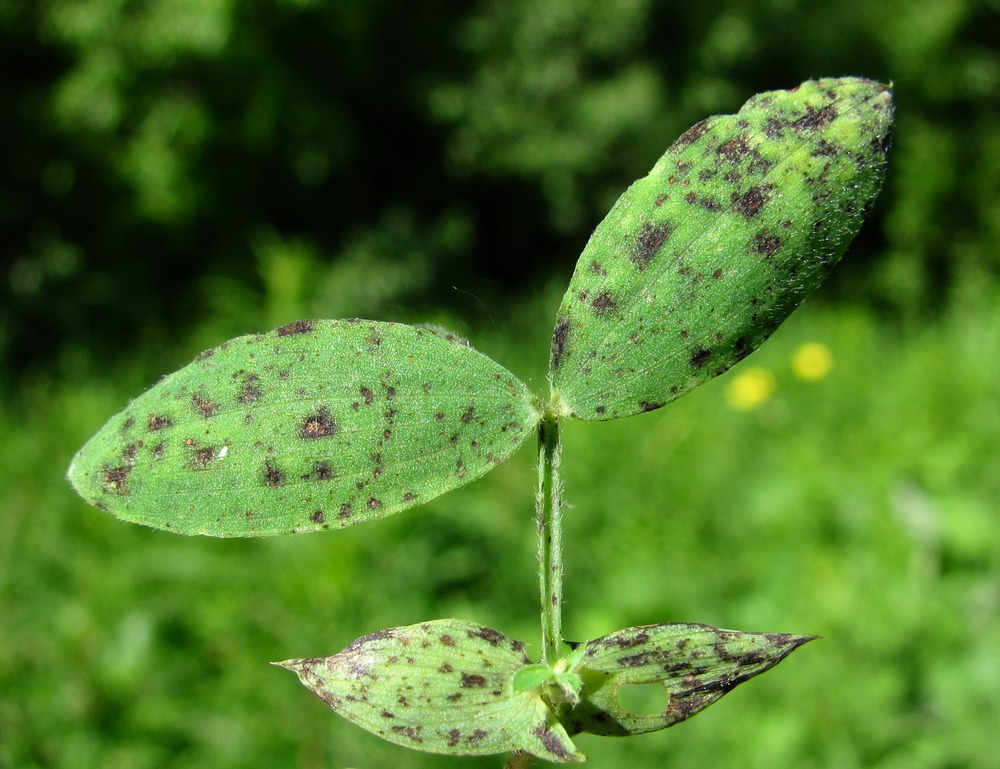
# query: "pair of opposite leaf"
{"type": "Point", "coordinates": [324, 424]}
{"type": "Point", "coordinates": [451, 686]}
{"type": "Point", "coordinates": [328, 423]}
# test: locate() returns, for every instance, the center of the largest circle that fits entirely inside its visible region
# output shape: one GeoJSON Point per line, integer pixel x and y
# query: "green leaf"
{"type": "Point", "coordinates": [444, 687]}
{"type": "Point", "coordinates": [698, 262]}
{"type": "Point", "coordinates": [696, 664]}
{"type": "Point", "coordinates": [533, 677]}
{"type": "Point", "coordinates": [317, 425]}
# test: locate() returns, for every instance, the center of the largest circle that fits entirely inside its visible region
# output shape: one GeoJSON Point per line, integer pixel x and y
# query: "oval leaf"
{"type": "Point", "coordinates": [701, 260]}
{"type": "Point", "coordinates": [443, 687]}
{"type": "Point", "coordinates": [696, 664]}
{"type": "Point", "coordinates": [317, 425]}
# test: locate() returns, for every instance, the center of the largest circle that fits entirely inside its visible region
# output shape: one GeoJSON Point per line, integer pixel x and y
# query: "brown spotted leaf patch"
{"type": "Point", "coordinates": [444, 687]}
{"type": "Point", "coordinates": [717, 244]}
{"type": "Point", "coordinates": [695, 664]}
{"type": "Point", "coordinates": [312, 416]}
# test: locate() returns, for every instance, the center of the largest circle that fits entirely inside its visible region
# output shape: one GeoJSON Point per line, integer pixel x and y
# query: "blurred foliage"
{"type": "Point", "coordinates": [176, 173]}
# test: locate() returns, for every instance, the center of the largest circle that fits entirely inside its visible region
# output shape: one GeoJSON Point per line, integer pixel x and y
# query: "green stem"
{"type": "Point", "coordinates": [548, 505]}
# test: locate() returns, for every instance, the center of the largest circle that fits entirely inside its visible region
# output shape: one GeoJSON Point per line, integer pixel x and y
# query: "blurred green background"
{"type": "Point", "coordinates": [178, 172]}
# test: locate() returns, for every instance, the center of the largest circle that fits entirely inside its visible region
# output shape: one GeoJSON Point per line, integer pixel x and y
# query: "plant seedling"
{"type": "Point", "coordinates": [323, 424]}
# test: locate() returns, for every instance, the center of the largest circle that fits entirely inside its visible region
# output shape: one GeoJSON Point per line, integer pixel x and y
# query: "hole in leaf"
{"type": "Point", "coordinates": [643, 699]}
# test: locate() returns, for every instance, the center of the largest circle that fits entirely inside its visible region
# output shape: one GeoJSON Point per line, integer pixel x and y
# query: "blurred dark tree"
{"type": "Point", "coordinates": [168, 161]}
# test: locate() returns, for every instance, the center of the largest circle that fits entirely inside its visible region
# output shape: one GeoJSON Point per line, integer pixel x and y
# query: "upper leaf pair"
{"type": "Point", "coordinates": [324, 424]}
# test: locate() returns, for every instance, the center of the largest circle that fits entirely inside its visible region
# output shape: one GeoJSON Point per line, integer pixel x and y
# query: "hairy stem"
{"type": "Point", "coordinates": [548, 504]}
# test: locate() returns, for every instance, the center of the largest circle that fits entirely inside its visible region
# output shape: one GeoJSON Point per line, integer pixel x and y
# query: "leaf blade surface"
{"type": "Point", "coordinates": [444, 686]}
{"type": "Point", "coordinates": [317, 425]}
{"type": "Point", "coordinates": [699, 262]}
{"type": "Point", "coordinates": [696, 664]}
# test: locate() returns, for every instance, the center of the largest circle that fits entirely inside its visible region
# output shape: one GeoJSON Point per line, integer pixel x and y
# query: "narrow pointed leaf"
{"type": "Point", "coordinates": [698, 262]}
{"type": "Point", "coordinates": [317, 425]}
{"type": "Point", "coordinates": [696, 664]}
{"type": "Point", "coordinates": [443, 687]}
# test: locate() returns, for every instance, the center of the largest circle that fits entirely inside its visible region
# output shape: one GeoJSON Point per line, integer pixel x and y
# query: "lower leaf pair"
{"type": "Point", "coordinates": [451, 686]}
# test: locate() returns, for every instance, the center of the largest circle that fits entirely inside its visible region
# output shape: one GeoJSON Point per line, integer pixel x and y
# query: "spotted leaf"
{"type": "Point", "coordinates": [444, 687]}
{"type": "Point", "coordinates": [695, 664]}
{"type": "Point", "coordinates": [317, 425]}
{"type": "Point", "coordinates": [698, 262]}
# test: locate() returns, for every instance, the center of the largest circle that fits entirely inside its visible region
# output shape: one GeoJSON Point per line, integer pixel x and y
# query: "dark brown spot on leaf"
{"type": "Point", "coordinates": [774, 128]}
{"type": "Point", "coordinates": [201, 458]}
{"type": "Point", "coordinates": [204, 405]}
{"type": "Point", "coordinates": [346, 510]}
{"type": "Point", "coordinates": [469, 414]}
{"type": "Point", "coordinates": [323, 471]}
{"type": "Point", "coordinates": [318, 517]}
{"type": "Point", "coordinates": [825, 148]}
{"type": "Point", "coordinates": [814, 119]}
{"type": "Point", "coordinates": [296, 327]}
{"type": "Point", "coordinates": [374, 503]}
{"type": "Point", "coordinates": [116, 479]}
{"type": "Point", "coordinates": [473, 681]}
{"type": "Point", "coordinates": [650, 241]}
{"type": "Point", "coordinates": [735, 149]}
{"type": "Point", "coordinates": [766, 242]}
{"type": "Point", "coordinates": [273, 475]}
{"type": "Point", "coordinates": [250, 389]}
{"type": "Point", "coordinates": [559, 337]}
{"type": "Point", "coordinates": [700, 357]}
{"type": "Point", "coordinates": [412, 733]}
{"type": "Point", "coordinates": [551, 741]}
{"type": "Point", "coordinates": [488, 634]}
{"type": "Point", "coordinates": [752, 201]}
{"type": "Point", "coordinates": [603, 303]}
{"type": "Point", "coordinates": [154, 422]}
{"type": "Point", "coordinates": [319, 425]}
{"type": "Point", "coordinates": [694, 133]}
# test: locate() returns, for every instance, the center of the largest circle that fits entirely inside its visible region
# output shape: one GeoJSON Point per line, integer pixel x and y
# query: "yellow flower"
{"type": "Point", "coordinates": [750, 388]}
{"type": "Point", "coordinates": [812, 361]}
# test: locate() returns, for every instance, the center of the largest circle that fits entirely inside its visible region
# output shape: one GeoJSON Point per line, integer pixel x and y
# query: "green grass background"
{"type": "Point", "coordinates": [861, 508]}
